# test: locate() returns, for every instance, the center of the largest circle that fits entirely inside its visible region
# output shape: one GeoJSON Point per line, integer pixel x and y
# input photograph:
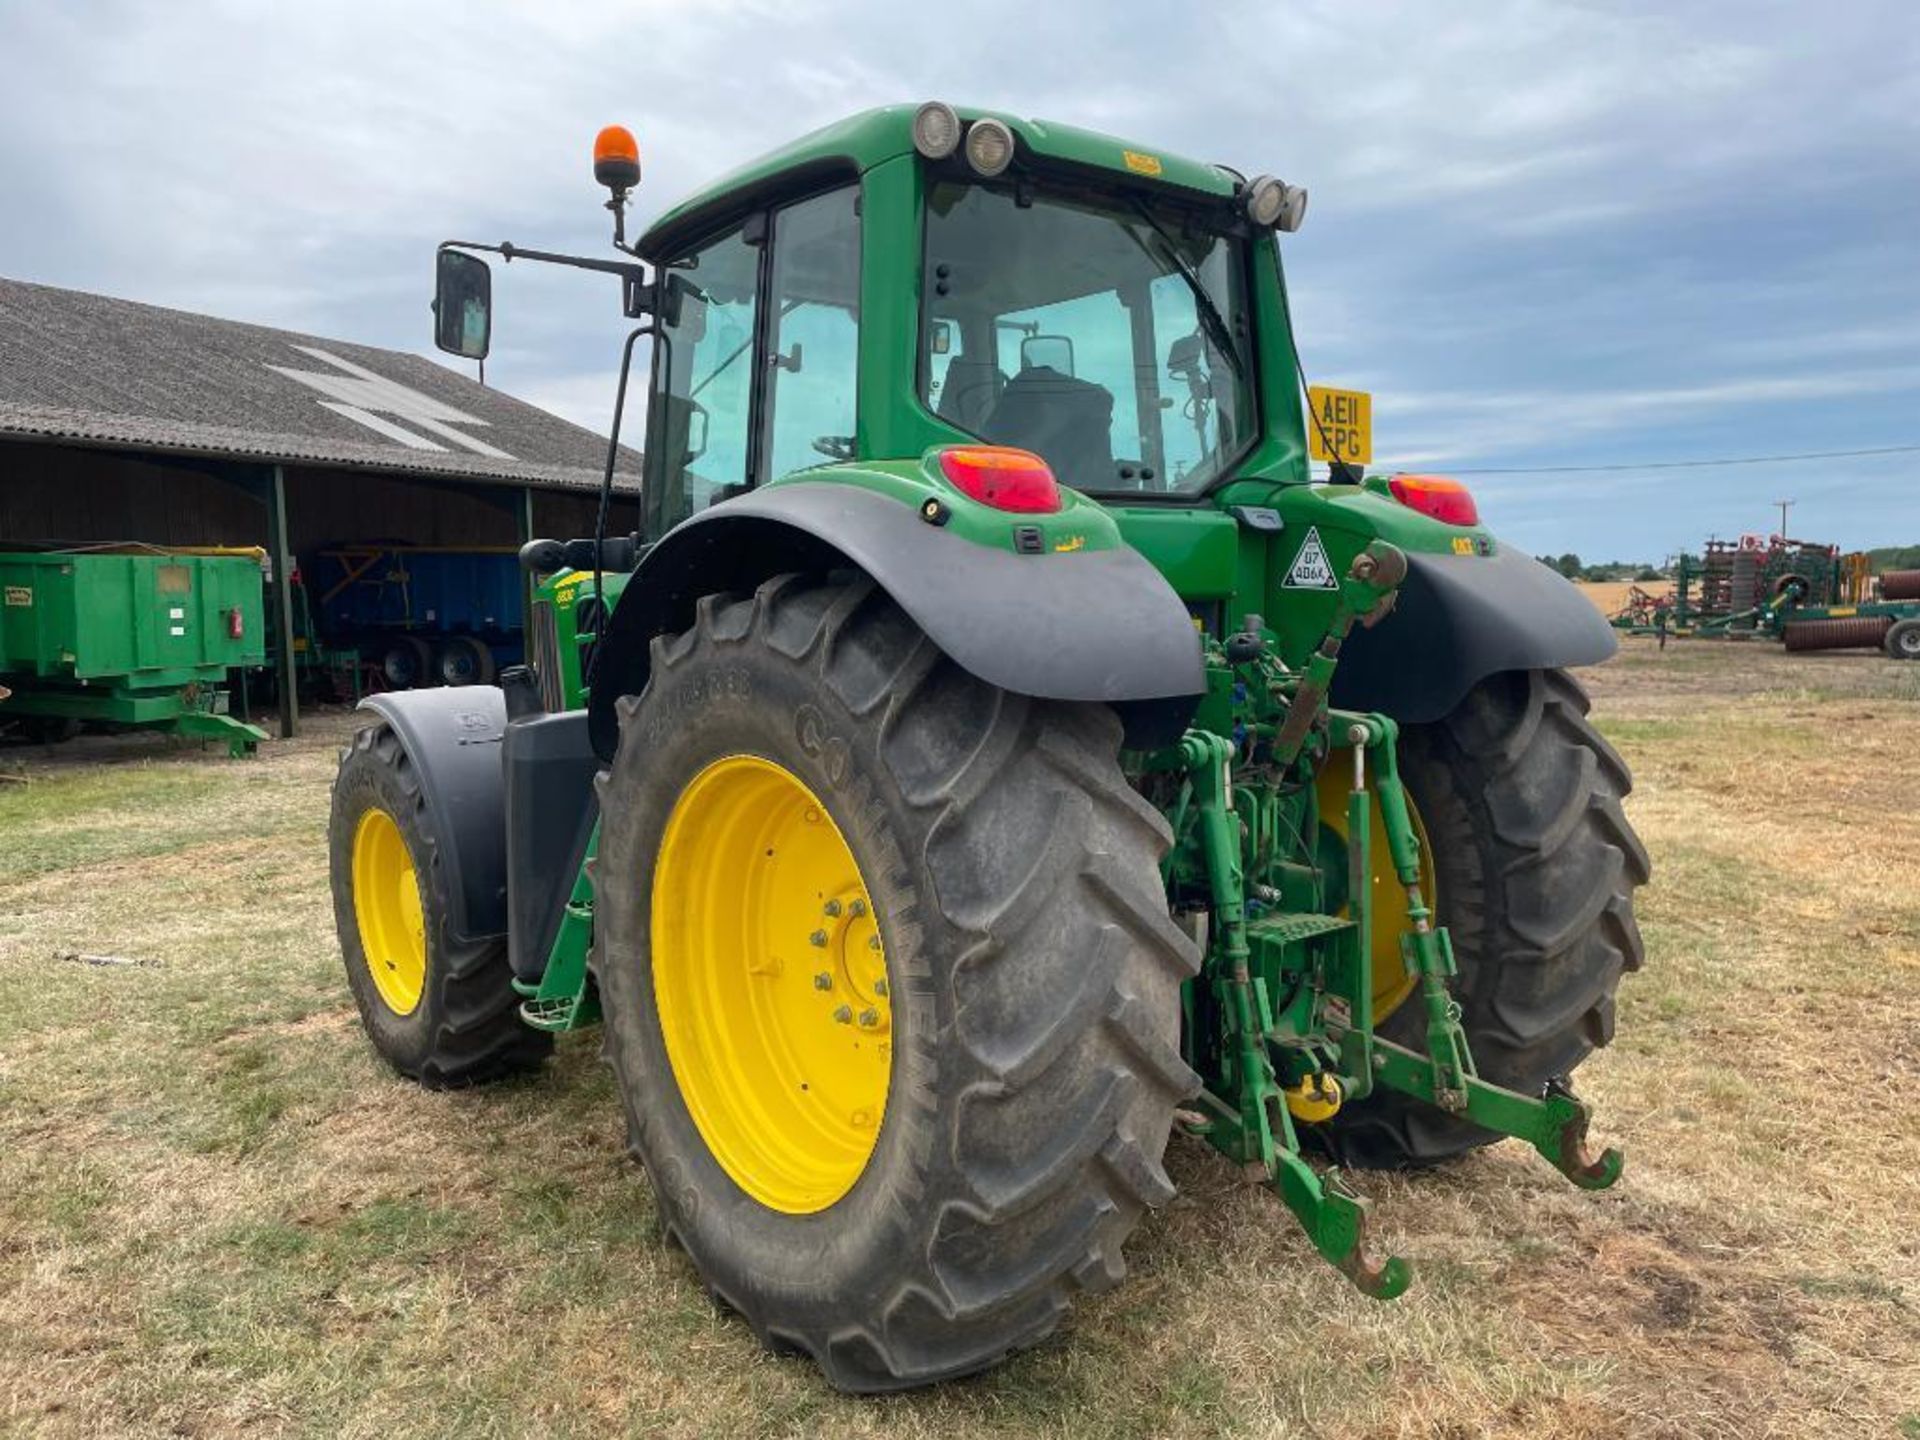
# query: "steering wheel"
{"type": "Point", "coordinates": [834, 447]}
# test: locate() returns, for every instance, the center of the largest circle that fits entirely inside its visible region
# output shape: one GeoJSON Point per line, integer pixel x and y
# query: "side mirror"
{"type": "Point", "coordinates": [1184, 358]}
{"type": "Point", "coordinates": [462, 304]}
{"type": "Point", "coordinates": [1050, 352]}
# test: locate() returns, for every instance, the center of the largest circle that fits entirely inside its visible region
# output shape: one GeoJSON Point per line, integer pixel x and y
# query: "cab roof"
{"type": "Point", "coordinates": [858, 143]}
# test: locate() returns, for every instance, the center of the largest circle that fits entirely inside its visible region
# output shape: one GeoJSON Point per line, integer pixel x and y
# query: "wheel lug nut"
{"type": "Point", "coordinates": [832, 908]}
{"type": "Point", "coordinates": [880, 988]}
{"type": "Point", "coordinates": [856, 908]}
{"type": "Point", "coordinates": [873, 942]}
{"type": "Point", "coordinates": [823, 981]}
{"type": "Point", "coordinates": [818, 939]}
{"type": "Point", "coordinates": [869, 1017]}
{"type": "Point", "coordinates": [844, 1014]}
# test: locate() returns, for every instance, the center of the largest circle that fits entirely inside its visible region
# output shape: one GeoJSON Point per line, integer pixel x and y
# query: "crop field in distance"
{"type": "Point", "coordinates": [220, 1215]}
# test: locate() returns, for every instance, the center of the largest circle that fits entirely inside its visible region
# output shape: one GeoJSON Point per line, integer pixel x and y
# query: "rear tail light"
{"type": "Point", "coordinates": [1006, 479]}
{"type": "Point", "coordinates": [236, 624]}
{"type": "Point", "coordinates": [1447, 501]}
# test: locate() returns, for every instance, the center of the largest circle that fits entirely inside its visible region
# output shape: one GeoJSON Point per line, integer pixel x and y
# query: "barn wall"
{"type": "Point", "coordinates": [51, 492]}
{"type": "Point", "coordinates": [61, 493]}
{"type": "Point", "coordinates": [569, 515]}
{"type": "Point", "coordinates": [326, 506]}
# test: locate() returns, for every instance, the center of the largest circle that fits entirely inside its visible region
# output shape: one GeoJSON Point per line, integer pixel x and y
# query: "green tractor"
{"type": "Point", "coordinates": [994, 753]}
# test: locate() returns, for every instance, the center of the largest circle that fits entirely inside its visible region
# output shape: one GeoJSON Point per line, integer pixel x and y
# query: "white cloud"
{"type": "Point", "coordinates": [1626, 226]}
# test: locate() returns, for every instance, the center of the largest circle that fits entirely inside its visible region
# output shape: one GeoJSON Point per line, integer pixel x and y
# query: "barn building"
{"type": "Point", "coordinates": [128, 423]}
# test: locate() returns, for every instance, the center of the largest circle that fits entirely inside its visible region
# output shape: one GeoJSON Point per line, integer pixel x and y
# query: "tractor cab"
{"type": "Point", "coordinates": [899, 282]}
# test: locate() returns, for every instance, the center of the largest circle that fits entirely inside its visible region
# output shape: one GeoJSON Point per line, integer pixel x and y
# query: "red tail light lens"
{"type": "Point", "coordinates": [1447, 501]}
{"type": "Point", "coordinates": [1005, 478]}
{"type": "Point", "coordinates": [236, 624]}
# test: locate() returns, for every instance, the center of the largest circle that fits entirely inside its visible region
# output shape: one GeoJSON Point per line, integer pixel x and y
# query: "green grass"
{"type": "Point", "coordinates": [220, 1215]}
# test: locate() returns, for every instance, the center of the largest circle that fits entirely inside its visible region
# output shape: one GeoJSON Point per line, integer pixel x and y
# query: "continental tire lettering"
{"type": "Point", "coordinates": [811, 728]}
{"type": "Point", "coordinates": [682, 704]}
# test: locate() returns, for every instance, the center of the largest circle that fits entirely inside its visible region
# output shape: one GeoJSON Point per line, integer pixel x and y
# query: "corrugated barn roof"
{"type": "Point", "coordinates": [99, 371]}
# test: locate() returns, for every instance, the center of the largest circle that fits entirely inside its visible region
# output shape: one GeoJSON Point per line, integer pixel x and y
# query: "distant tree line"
{"type": "Point", "coordinates": [1571, 566]}
{"type": "Point", "coordinates": [1895, 557]}
{"type": "Point", "coordinates": [1889, 557]}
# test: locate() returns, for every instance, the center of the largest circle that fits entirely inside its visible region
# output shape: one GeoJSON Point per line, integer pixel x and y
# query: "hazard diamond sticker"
{"type": "Point", "coordinates": [1311, 568]}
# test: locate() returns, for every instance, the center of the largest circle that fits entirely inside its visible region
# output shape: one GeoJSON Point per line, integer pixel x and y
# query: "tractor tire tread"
{"type": "Point", "coordinates": [1052, 963]}
{"type": "Point", "coordinates": [477, 1033]}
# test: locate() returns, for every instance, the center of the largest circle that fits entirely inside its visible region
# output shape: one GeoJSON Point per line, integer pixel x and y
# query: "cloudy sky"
{"type": "Point", "coordinates": [1543, 235]}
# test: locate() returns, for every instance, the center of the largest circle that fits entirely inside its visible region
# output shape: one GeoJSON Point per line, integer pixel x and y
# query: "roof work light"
{"type": "Point", "coordinates": [936, 130]}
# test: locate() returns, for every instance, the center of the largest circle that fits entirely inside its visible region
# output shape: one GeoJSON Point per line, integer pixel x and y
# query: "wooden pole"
{"type": "Point", "coordinates": [280, 555]}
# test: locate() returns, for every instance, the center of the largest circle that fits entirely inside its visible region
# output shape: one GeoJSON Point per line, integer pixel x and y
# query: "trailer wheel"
{"type": "Point", "coordinates": [891, 991]}
{"type": "Point", "coordinates": [1535, 865]}
{"type": "Point", "coordinates": [1903, 640]}
{"type": "Point", "coordinates": [464, 660]}
{"type": "Point", "coordinates": [439, 1010]}
{"type": "Point", "coordinates": [406, 662]}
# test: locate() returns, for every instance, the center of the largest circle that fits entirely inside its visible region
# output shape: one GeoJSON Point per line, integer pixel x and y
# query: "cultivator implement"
{"type": "Point", "coordinates": [1807, 595]}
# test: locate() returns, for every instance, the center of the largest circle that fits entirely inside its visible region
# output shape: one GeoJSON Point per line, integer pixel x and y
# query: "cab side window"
{"type": "Point", "coordinates": [813, 335]}
{"type": "Point", "coordinates": [700, 421]}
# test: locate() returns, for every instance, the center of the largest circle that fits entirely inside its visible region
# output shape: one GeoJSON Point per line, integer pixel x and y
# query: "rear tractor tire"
{"type": "Point", "coordinates": [439, 1010]}
{"type": "Point", "coordinates": [1535, 865]}
{"type": "Point", "coordinates": [891, 991]}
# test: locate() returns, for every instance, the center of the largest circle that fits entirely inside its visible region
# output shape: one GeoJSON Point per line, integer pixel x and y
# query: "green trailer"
{"type": "Point", "coordinates": [135, 639]}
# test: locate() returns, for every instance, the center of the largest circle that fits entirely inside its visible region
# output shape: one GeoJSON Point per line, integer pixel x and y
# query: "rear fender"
{"type": "Point", "coordinates": [1095, 625]}
{"type": "Point", "coordinates": [1459, 619]}
{"type": "Point", "coordinates": [453, 739]}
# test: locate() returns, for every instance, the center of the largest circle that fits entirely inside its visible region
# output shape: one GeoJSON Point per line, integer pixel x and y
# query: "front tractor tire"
{"type": "Point", "coordinates": [1535, 866]}
{"type": "Point", "coordinates": [439, 1010]}
{"type": "Point", "coordinates": [891, 993]}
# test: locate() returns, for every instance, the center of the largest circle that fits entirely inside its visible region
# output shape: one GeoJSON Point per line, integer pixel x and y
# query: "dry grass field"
{"type": "Point", "coordinates": [219, 1215]}
{"type": "Point", "coordinates": [1609, 596]}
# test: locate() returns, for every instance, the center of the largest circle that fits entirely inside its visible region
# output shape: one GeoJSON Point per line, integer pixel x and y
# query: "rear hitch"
{"type": "Point", "coordinates": [1335, 1219]}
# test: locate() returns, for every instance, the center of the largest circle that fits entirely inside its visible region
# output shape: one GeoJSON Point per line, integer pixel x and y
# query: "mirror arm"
{"type": "Point", "coordinates": [635, 287]}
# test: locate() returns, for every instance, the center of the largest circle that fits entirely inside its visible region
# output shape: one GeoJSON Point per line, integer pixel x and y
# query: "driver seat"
{"type": "Point", "coordinates": [970, 391]}
{"type": "Point", "coordinates": [1066, 421]}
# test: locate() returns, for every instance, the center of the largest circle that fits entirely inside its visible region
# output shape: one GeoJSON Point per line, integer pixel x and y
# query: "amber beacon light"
{"type": "Point", "coordinates": [616, 158]}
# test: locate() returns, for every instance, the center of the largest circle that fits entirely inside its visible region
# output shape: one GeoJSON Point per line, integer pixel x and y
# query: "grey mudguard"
{"type": "Point", "coordinates": [1099, 625]}
{"type": "Point", "coordinates": [1459, 619]}
{"type": "Point", "coordinates": [453, 737]}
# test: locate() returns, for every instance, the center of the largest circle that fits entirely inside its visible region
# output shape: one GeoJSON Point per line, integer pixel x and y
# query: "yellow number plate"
{"type": "Point", "coordinates": [1345, 425]}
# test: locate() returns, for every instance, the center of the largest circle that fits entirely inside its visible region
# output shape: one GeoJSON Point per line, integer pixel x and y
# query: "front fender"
{"type": "Point", "coordinates": [1093, 625]}
{"type": "Point", "coordinates": [1459, 619]}
{"type": "Point", "coordinates": [452, 737]}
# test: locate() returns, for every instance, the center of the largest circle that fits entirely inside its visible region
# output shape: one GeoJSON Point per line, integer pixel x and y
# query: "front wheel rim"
{"type": "Point", "coordinates": [388, 911]}
{"type": "Point", "coordinates": [770, 981]}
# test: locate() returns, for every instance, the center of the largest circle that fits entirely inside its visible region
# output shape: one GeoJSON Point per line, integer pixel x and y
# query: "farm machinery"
{"type": "Point", "coordinates": [417, 615]}
{"type": "Point", "coordinates": [128, 636]}
{"type": "Point", "coordinates": [996, 753]}
{"type": "Point", "coordinates": [1808, 595]}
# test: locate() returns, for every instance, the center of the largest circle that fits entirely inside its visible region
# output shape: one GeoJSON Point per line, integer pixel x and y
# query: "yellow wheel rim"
{"type": "Point", "coordinates": [386, 904]}
{"type": "Point", "coordinates": [1392, 981]}
{"type": "Point", "coordinates": [771, 984]}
